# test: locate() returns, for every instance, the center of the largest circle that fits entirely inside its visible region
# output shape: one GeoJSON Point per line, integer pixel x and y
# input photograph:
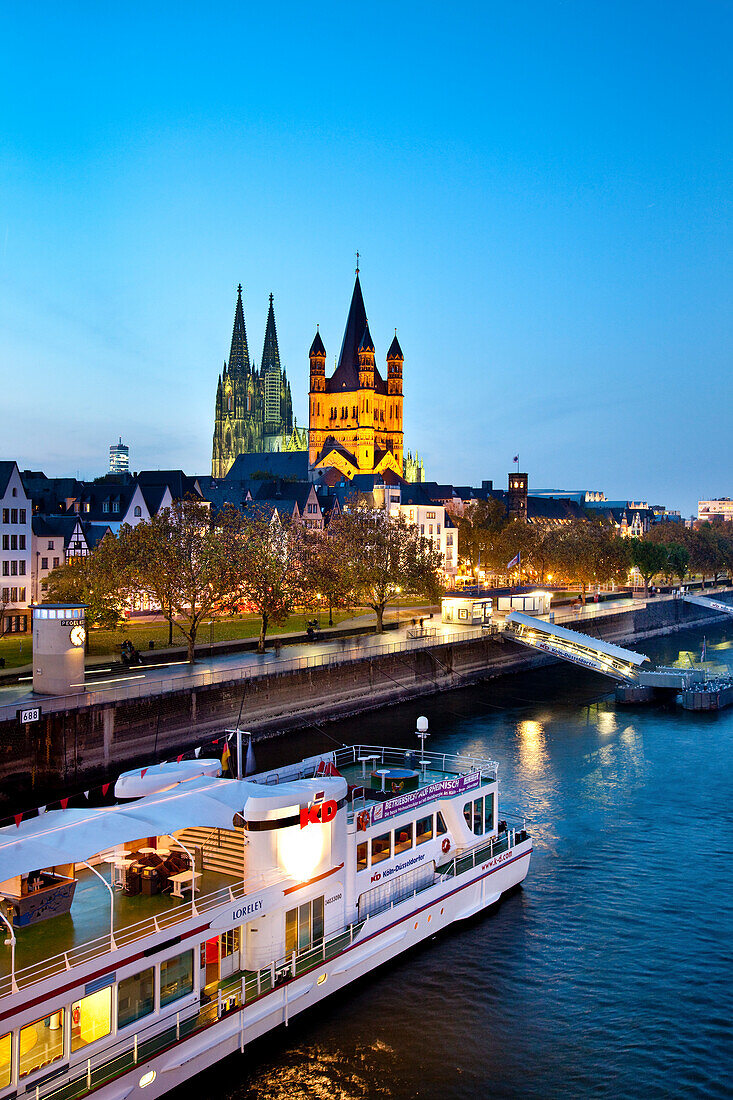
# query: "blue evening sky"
{"type": "Point", "coordinates": [540, 193]}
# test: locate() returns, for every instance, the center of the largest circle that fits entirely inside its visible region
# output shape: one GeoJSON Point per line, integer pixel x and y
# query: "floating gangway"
{"type": "Point", "coordinates": [579, 649]}
{"type": "Point", "coordinates": [710, 604]}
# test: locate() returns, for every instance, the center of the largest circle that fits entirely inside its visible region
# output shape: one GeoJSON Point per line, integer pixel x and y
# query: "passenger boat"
{"type": "Point", "coordinates": [209, 912]}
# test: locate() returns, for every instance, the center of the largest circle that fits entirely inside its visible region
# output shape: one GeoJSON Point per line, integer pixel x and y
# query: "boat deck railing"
{"type": "Point", "coordinates": [102, 945]}
{"type": "Point", "coordinates": [495, 846]}
{"type": "Point", "coordinates": [241, 989]}
{"type": "Point", "coordinates": [447, 763]}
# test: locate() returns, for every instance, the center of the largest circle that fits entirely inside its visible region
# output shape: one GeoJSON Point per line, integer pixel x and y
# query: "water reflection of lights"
{"type": "Point", "coordinates": [532, 748]}
{"type": "Point", "coordinates": [606, 722]}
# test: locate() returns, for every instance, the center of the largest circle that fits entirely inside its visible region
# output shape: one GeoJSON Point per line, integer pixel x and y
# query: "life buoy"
{"type": "Point", "coordinates": [446, 845]}
{"type": "Point", "coordinates": [76, 1017]}
{"type": "Point", "coordinates": [363, 821]}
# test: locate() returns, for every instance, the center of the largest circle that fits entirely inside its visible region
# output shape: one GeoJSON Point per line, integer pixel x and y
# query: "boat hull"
{"type": "Point", "coordinates": [382, 938]}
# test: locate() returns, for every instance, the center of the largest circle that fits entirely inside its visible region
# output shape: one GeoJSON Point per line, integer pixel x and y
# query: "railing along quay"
{"type": "Point", "coordinates": [252, 670]}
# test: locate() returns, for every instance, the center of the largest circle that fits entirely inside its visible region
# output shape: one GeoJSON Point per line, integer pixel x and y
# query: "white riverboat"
{"type": "Point", "coordinates": [207, 913]}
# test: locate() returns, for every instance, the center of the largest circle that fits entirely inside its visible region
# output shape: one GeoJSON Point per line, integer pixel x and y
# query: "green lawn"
{"type": "Point", "coordinates": [18, 649]}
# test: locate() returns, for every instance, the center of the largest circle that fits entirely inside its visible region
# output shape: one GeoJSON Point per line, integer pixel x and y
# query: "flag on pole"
{"type": "Point", "coordinates": [64, 803]}
{"type": "Point", "coordinates": [17, 818]}
{"type": "Point", "coordinates": [225, 757]}
{"type": "Point", "coordinates": [516, 458]}
{"type": "Point", "coordinates": [249, 765]}
{"type": "Point", "coordinates": [515, 562]}
{"type": "Point", "coordinates": [703, 650]}
{"type": "Point", "coordinates": [105, 788]}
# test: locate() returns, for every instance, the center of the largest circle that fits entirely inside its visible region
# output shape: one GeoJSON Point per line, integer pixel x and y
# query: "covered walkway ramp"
{"type": "Point", "coordinates": [709, 603]}
{"type": "Point", "coordinates": [579, 649]}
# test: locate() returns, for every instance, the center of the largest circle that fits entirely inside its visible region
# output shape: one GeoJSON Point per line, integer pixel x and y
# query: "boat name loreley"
{"type": "Point", "coordinates": [148, 939]}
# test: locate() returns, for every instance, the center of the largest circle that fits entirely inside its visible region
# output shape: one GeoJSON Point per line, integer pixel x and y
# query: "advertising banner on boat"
{"type": "Point", "coordinates": [444, 788]}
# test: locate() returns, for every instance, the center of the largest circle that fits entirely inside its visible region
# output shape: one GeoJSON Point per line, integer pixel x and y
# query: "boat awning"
{"type": "Point", "coordinates": [73, 835]}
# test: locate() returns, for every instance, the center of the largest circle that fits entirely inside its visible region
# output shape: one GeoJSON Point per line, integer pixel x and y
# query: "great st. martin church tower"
{"type": "Point", "coordinates": [254, 408]}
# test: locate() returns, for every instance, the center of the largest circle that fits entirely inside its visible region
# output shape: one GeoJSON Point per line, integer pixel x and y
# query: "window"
{"type": "Point", "coordinates": [91, 1018]}
{"type": "Point", "coordinates": [21, 542]}
{"type": "Point", "coordinates": [6, 568]}
{"type": "Point", "coordinates": [6, 542]}
{"type": "Point", "coordinates": [41, 1042]}
{"type": "Point", "coordinates": [488, 813]}
{"type": "Point", "coordinates": [13, 542]}
{"type": "Point", "coordinates": [6, 1046]}
{"type": "Point", "coordinates": [362, 851]}
{"type": "Point", "coordinates": [473, 812]}
{"type": "Point", "coordinates": [13, 568]}
{"type": "Point", "coordinates": [13, 515]}
{"type": "Point", "coordinates": [437, 528]}
{"type": "Point", "coordinates": [21, 567]}
{"type": "Point", "coordinates": [6, 515]}
{"type": "Point", "coordinates": [176, 974]}
{"type": "Point", "coordinates": [229, 943]}
{"type": "Point", "coordinates": [13, 595]}
{"type": "Point", "coordinates": [22, 595]}
{"type": "Point", "coordinates": [403, 838]}
{"type": "Point", "coordinates": [304, 926]}
{"type": "Point", "coordinates": [381, 847]}
{"type": "Point", "coordinates": [430, 515]}
{"type": "Point", "coordinates": [115, 505]}
{"type": "Point", "coordinates": [105, 506]}
{"type": "Point", "coordinates": [135, 997]}
{"type": "Point", "coordinates": [44, 563]}
{"type": "Point", "coordinates": [138, 511]}
{"type": "Point", "coordinates": [6, 595]}
{"type": "Point", "coordinates": [424, 829]}
{"type": "Point", "coordinates": [22, 515]}
{"type": "Point", "coordinates": [50, 544]}
{"type": "Point", "coordinates": [55, 563]}
{"type": "Point", "coordinates": [440, 825]}
{"type": "Point", "coordinates": [14, 492]}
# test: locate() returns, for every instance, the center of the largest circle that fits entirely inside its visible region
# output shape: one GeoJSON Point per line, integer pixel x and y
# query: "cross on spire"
{"type": "Point", "coordinates": [357, 263]}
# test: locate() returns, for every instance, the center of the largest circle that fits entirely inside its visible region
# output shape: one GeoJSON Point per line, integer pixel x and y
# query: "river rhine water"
{"type": "Point", "coordinates": [609, 974]}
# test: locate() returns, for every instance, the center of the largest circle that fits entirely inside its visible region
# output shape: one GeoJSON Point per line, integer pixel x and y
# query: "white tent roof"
{"type": "Point", "coordinates": [575, 636]}
{"type": "Point", "coordinates": [70, 836]}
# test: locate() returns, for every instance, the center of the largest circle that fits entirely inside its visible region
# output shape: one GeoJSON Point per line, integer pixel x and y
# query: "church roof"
{"type": "Point", "coordinates": [367, 344]}
{"type": "Point", "coordinates": [395, 351]}
{"type": "Point", "coordinates": [317, 347]}
{"type": "Point", "coordinates": [275, 463]}
{"type": "Point", "coordinates": [346, 375]}
{"type": "Point", "coordinates": [270, 351]}
{"type": "Point", "coordinates": [239, 352]}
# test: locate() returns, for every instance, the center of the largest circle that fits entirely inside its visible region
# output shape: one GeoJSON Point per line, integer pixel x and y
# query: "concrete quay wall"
{"type": "Point", "coordinates": [78, 748]}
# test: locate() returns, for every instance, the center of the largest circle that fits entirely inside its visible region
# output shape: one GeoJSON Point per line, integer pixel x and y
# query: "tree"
{"type": "Point", "coordinates": [270, 556]}
{"type": "Point", "coordinates": [327, 572]}
{"type": "Point", "coordinates": [481, 522]}
{"type": "Point", "coordinates": [183, 563]}
{"type": "Point", "coordinates": [591, 553]}
{"type": "Point", "coordinates": [649, 558]}
{"type": "Point", "coordinates": [706, 552]}
{"type": "Point", "coordinates": [92, 580]}
{"type": "Point", "coordinates": [678, 557]}
{"type": "Point", "coordinates": [386, 557]}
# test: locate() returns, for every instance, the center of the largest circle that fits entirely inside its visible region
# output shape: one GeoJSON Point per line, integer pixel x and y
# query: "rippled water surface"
{"type": "Point", "coordinates": [609, 973]}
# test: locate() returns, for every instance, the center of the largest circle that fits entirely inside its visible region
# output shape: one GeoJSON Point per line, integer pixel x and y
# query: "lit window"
{"type": "Point", "coordinates": [91, 1018]}
{"type": "Point", "coordinates": [41, 1042]}
{"type": "Point", "coordinates": [403, 838]}
{"type": "Point", "coordinates": [361, 856]}
{"type": "Point", "coordinates": [381, 847]}
{"type": "Point", "coordinates": [424, 829]}
{"type": "Point", "coordinates": [6, 1044]}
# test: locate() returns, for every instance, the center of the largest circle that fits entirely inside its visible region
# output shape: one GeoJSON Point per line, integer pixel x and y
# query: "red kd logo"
{"type": "Point", "coordinates": [319, 814]}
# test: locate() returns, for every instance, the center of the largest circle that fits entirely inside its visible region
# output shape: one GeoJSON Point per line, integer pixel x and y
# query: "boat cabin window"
{"type": "Point", "coordinates": [91, 1018]}
{"type": "Point", "coordinates": [135, 997]}
{"type": "Point", "coordinates": [440, 825]}
{"type": "Point", "coordinates": [362, 856]}
{"type": "Point", "coordinates": [479, 814]}
{"type": "Point", "coordinates": [304, 925]}
{"type": "Point", "coordinates": [423, 829]}
{"type": "Point", "coordinates": [176, 978]}
{"type": "Point", "coordinates": [229, 943]}
{"type": "Point", "coordinates": [403, 838]}
{"type": "Point", "coordinates": [381, 847]}
{"type": "Point", "coordinates": [41, 1043]}
{"type": "Point", "coordinates": [6, 1046]}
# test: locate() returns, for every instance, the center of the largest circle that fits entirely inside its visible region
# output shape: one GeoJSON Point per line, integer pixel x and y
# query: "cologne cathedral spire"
{"type": "Point", "coordinates": [239, 353]}
{"type": "Point", "coordinates": [270, 350]}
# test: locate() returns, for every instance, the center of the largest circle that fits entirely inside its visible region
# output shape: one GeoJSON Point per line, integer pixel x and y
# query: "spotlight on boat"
{"type": "Point", "coordinates": [422, 733]}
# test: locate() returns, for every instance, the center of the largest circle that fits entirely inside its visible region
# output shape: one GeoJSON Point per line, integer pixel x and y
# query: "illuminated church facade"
{"type": "Point", "coordinates": [355, 416]}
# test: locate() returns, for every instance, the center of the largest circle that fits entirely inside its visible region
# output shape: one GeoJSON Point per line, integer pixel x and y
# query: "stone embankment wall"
{"type": "Point", "coordinates": [76, 749]}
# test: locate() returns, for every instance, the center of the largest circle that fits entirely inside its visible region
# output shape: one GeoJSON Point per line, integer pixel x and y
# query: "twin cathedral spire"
{"type": "Point", "coordinates": [254, 408]}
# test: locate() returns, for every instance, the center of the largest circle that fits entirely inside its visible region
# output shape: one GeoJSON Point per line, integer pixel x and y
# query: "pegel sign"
{"type": "Point", "coordinates": [444, 788]}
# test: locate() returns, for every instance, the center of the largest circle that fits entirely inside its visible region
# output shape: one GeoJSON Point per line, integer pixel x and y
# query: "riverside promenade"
{"type": "Point", "coordinates": [154, 713]}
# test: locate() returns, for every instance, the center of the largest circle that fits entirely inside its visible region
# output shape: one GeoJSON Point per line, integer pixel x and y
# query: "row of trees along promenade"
{"type": "Point", "coordinates": [590, 552]}
{"type": "Point", "coordinates": [196, 566]}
